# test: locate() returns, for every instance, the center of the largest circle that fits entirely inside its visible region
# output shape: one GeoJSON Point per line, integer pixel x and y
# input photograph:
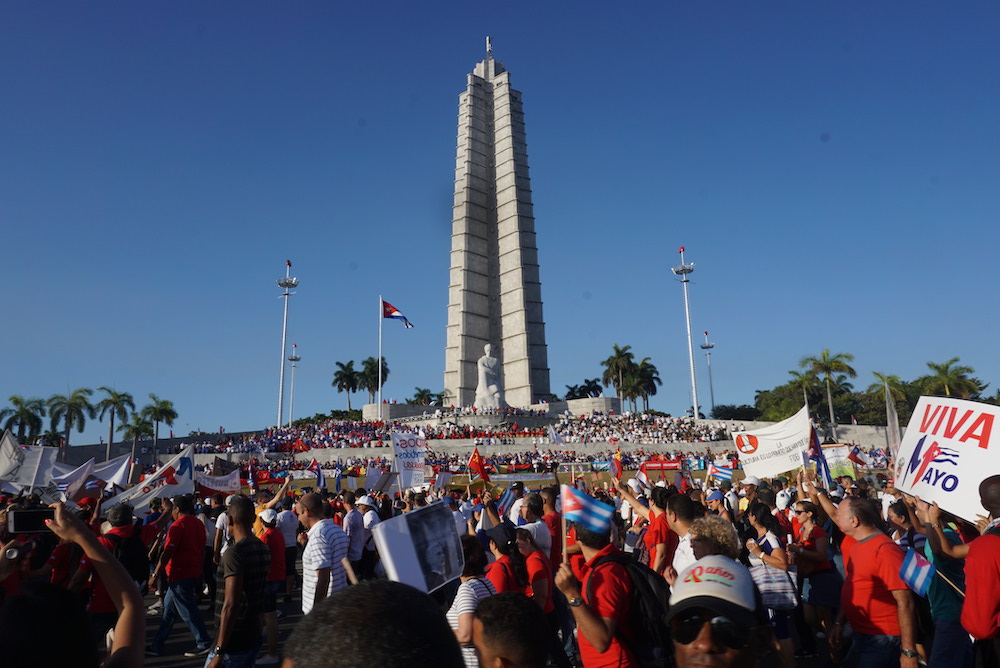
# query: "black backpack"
{"type": "Point", "coordinates": [131, 552]}
{"type": "Point", "coordinates": [650, 638]}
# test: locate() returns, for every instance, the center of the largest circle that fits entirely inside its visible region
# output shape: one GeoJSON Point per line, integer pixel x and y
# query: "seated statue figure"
{"type": "Point", "coordinates": [488, 392]}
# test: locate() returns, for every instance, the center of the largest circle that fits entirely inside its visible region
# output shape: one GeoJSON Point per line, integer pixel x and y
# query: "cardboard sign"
{"type": "Point", "coordinates": [409, 451]}
{"type": "Point", "coordinates": [948, 449]}
{"type": "Point", "coordinates": [774, 450]}
{"type": "Point", "coordinates": [421, 548]}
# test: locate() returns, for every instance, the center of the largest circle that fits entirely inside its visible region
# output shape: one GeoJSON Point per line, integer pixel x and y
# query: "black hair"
{"type": "Point", "coordinates": [475, 556]}
{"type": "Point", "coordinates": [379, 623]}
{"type": "Point", "coordinates": [184, 504]}
{"type": "Point", "coordinates": [514, 628]}
{"type": "Point", "coordinates": [762, 515]}
{"type": "Point", "coordinates": [241, 512]}
{"type": "Point", "coordinates": [686, 510]}
{"type": "Point", "coordinates": [660, 496]}
{"type": "Point", "coordinates": [517, 561]}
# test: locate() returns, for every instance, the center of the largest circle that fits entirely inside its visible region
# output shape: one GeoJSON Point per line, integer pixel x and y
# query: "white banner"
{"type": "Point", "coordinates": [409, 450]}
{"type": "Point", "coordinates": [177, 477]}
{"type": "Point", "coordinates": [945, 453]}
{"type": "Point", "coordinates": [220, 483]}
{"type": "Point", "coordinates": [774, 450]}
{"type": "Point", "coordinates": [70, 482]}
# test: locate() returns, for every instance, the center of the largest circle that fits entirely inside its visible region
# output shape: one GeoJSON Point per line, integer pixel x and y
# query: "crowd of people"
{"type": "Point", "coordinates": [777, 572]}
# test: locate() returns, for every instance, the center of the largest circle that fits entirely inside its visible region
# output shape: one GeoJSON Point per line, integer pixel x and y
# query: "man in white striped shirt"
{"type": "Point", "coordinates": [322, 560]}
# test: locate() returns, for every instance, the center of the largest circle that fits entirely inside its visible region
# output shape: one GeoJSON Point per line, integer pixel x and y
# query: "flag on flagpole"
{"type": "Point", "coordinates": [586, 510]}
{"type": "Point", "coordinates": [390, 311]}
{"type": "Point", "coordinates": [554, 435]}
{"type": "Point", "coordinates": [315, 469]}
{"type": "Point", "coordinates": [856, 456]}
{"type": "Point", "coordinates": [504, 502]}
{"type": "Point", "coordinates": [917, 572]}
{"type": "Point", "coordinates": [719, 472]}
{"type": "Point", "coordinates": [815, 454]}
{"type": "Point", "coordinates": [616, 464]}
{"type": "Point", "coordinates": [478, 466]}
{"type": "Point", "coordinates": [641, 476]}
{"type": "Point", "coordinates": [892, 420]}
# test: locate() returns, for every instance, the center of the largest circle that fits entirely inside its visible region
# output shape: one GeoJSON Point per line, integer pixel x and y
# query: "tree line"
{"type": "Point", "coordinates": [25, 416]}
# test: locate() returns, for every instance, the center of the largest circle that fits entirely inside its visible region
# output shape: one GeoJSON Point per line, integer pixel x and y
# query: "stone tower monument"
{"type": "Point", "coordinates": [494, 295]}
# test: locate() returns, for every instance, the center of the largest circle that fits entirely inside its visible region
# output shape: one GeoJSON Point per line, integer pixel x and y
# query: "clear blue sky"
{"type": "Point", "coordinates": [832, 169]}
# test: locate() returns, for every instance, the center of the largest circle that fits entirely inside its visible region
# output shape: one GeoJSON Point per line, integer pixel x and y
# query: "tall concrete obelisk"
{"type": "Point", "coordinates": [495, 295]}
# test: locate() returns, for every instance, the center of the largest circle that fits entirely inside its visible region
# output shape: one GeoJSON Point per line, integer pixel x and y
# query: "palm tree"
{"type": "Point", "coordinates": [27, 414]}
{"type": "Point", "coordinates": [617, 367]}
{"type": "Point", "coordinates": [160, 410]}
{"type": "Point", "coordinates": [807, 382]}
{"type": "Point", "coordinates": [591, 388]}
{"type": "Point", "coordinates": [842, 385]}
{"type": "Point", "coordinates": [368, 379]}
{"type": "Point", "coordinates": [345, 379]}
{"type": "Point", "coordinates": [115, 404]}
{"type": "Point", "coordinates": [950, 378]}
{"type": "Point", "coordinates": [572, 392]}
{"type": "Point", "coordinates": [422, 396]}
{"type": "Point", "coordinates": [72, 411]}
{"type": "Point", "coordinates": [649, 378]}
{"type": "Point", "coordinates": [826, 365]}
{"type": "Point", "coordinates": [138, 428]}
{"type": "Point", "coordinates": [886, 380]}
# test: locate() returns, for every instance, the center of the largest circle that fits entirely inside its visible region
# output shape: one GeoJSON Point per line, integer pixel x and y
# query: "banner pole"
{"type": "Point", "coordinates": [381, 311]}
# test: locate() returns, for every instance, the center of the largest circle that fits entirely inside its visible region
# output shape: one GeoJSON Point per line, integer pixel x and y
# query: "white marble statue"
{"type": "Point", "coordinates": [488, 392]}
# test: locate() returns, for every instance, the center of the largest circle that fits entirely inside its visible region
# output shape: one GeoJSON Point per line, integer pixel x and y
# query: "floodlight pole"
{"type": "Point", "coordinates": [293, 358]}
{"type": "Point", "coordinates": [286, 284]}
{"type": "Point", "coordinates": [683, 270]}
{"type": "Point", "coordinates": [707, 347]}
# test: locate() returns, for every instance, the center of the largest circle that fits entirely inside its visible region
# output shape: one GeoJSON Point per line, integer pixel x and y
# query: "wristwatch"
{"type": "Point", "coordinates": [576, 602]}
{"type": "Point", "coordinates": [219, 651]}
{"type": "Point", "coordinates": [909, 653]}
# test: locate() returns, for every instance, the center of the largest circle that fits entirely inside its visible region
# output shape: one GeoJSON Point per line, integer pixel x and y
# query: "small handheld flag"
{"type": "Point", "coordinates": [616, 464]}
{"type": "Point", "coordinates": [390, 311]}
{"type": "Point", "coordinates": [917, 572]}
{"type": "Point", "coordinates": [856, 456]}
{"type": "Point", "coordinates": [320, 478]}
{"type": "Point", "coordinates": [719, 472]}
{"type": "Point", "coordinates": [586, 510]}
{"type": "Point", "coordinates": [554, 435]}
{"type": "Point", "coordinates": [477, 466]}
{"type": "Point", "coordinates": [504, 502]}
{"type": "Point", "coordinates": [816, 455]}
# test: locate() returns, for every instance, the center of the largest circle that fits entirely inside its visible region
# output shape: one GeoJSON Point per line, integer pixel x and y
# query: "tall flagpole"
{"type": "Point", "coordinates": [286, 284]}
{"type": "Point", "coordinates": [381, 312]}
{"type": "Point", "coordinates": [683, 270]}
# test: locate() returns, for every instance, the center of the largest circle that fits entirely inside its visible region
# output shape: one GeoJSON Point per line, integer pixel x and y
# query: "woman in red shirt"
{"type": "Point", "coordinates": [509, 572]}
{"type": "Point", "coordinates": [820, 581]}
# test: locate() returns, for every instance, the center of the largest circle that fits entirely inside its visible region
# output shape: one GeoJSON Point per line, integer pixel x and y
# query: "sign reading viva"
{"type": "Point", "coordinates": [945, 453]}
{"type": "Point", "coordinates": [409, 450]}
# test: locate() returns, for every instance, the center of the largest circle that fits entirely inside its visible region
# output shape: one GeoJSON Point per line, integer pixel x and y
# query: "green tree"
{"type": "Point", "coordinates": [72, 411]}
{"type": "Point", "coordinates": [618, 367]}
{"type": "Point", "coordinates": [734, 412]}
{"type": "Point", "coordinates": [893, 382]}
{"type": "Point", "coordinates": [591, 388]}
{"type": "Point", "coordinates": [648, 378]}
{"type": "Point", "coordinates": [24, 414]}
{"type": "Point", "coordinates": [157, 411]}
{"type": "Point", "coordinates": [422, 396]}
{"type": "Point", "coordinates": [368, 379]}
{"type": "Point", "coordinates": [825, 365]}
{"type": "Point", "coordinates": [116, 405]}
{"type": "Point", "coordinates": [136, 429]}
{"type": "Point", "coordinates": [345, 379]}
{"type": "Point", "coordinates": [572, 392]}
{"type": "Point", "coordinates": [950, 378]}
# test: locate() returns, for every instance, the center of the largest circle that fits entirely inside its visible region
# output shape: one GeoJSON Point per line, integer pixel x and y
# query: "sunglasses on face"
{"type": "Point", "coordinates": [685, 628]}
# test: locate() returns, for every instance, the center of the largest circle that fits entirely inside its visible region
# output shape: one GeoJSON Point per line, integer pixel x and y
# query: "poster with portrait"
{"type": "Point", "coordinates": [421, 548]}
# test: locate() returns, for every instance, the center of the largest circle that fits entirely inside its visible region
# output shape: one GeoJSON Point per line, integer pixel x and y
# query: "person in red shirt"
{"type": "Point", "coordinates": [875, 600]}
{"type": "Point", "coordinates": [275, 583]}
{"type": "Point", "coordinates": [509, 572]}
{"type": "Point", "coordinates": [181, 561]}
{"type": "Point", "coordinates": [981, 612]}
{"type": "Point", "coordinates": [540, 586]}
{"type": "Point", "coordinates": [600, 599]}
{"type": "Point", "coordinates": [821, 582]}
{"type": "Point", "coordinates": [553, 520]}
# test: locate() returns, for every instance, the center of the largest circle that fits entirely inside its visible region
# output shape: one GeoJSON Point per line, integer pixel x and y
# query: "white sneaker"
{"type": "Point", "coordinates": [267, 660]}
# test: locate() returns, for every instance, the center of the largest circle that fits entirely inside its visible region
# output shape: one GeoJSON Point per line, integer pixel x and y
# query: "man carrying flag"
{"type": "Point", "coordinates": [599, 590]}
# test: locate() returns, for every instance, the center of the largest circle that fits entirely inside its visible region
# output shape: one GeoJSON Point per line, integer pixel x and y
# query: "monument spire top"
{"type": "Point", "coordinates": [489, 46]}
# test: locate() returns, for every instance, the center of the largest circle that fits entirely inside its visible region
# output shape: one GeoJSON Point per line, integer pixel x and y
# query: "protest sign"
{"type": "Point", "coordinates": [209, 484]}
{"type": "Point", "coordinates": [775, 449]}
{"type": "Point", "coordinates": [177, 477]}
{"type": "Point", "coordinates": [421, 548]}
{"type": "Point", "coordinates": [836, 459]}
{"type": "Point", "coordinates": [409, 450]}
{"type": "Point", "coordinates": [946, 452]}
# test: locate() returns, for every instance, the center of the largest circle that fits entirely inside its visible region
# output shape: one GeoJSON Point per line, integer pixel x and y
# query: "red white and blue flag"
{"type": "Point", "coordinates": [917, 572]}
{"type": "Point", "coordinates": [315, 469]}
{"type": "Point", "coordinates": [858, 457]}
{"type": "Point", "coordinates": [586, 510]}
{"type": "Point", "coordinates": [815, 454]}
{"type": "Point", "coordinates": [390, 311]}
{"type": "Point", "coordinates": [719, 472]}
{"type": "Point", "coordinates": [505, 501]}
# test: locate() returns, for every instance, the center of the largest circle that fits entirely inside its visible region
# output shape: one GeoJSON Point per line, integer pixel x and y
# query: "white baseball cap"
{"type": "Point", "coordinates": [268, 516]}
{"type": "Point", "coordinates": [366, 501]}
{"type": "Point", "coordinates": [717, 583]}
{"type": "Point", "coordinates": [751, 480]}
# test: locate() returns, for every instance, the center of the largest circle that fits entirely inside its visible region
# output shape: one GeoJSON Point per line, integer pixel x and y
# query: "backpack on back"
{"type": "Point", "coordinates": [650, 641]}
{"type": "Point", "coordinates": [131, 553]}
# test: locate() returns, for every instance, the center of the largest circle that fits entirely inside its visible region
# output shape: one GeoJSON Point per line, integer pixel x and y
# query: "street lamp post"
{"type": "Point", "coordinates": [286, 284]}
{"type": "Point", "coordinates": [293, 358]}
{"type": "Point", "coordinates": [707, 347]}
{"type": "Point", "coordinates": [683, 270]}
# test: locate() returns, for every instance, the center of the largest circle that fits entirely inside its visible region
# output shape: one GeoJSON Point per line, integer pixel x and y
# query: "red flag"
{"type": "Point", "coordinates": [478, 466]}
{"type": "Point", "coordinates": [616, 464]}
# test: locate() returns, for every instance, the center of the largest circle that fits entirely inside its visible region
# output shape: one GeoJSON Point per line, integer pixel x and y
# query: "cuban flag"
{"type": "Point", "coordinates": [390, 311]}
{"type": "Point", "coordinates": [586, 510]}
{"type": "Point", "coordinates": [719, 472]}
{"type": "Point", "coordinates": [504, 502]}
{"type": "Point", "coordinates": [917, 572]}
{"type": "Point", "coordinates": [815, 454]}
{"type": "Point", "coordinates": [320, 478]}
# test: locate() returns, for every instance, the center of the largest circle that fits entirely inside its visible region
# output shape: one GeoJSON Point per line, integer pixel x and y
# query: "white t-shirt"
{"type": "Point", "coordinates": [222, 524]}
{"type": "Point", "coordinates": [467, 598]}
{"type": "Point", "coordinates": [684, 554]}
{"type": "Point", "coordinates": [288, 525]}
{"type": "Point", "coordinates": [326, 548]}
{"type": "Point", "coordinates": [370, 520]}
{"type": "Point", "coordinates": [768, 544]}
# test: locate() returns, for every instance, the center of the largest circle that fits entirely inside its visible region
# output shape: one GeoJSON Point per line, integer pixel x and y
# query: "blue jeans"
{"type": "Point", "coordinates": [234, 660]}
{"type": "Point", "coordinates": [876, 651]}
{"type": "Point", "coordinates": [180, 602]}
{"type": "Point", "coordinates": [951, 646]}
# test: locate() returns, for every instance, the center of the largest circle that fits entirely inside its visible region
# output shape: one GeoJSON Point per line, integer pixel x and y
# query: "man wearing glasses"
{"type": "Point", "coordinates": [714, 616]}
